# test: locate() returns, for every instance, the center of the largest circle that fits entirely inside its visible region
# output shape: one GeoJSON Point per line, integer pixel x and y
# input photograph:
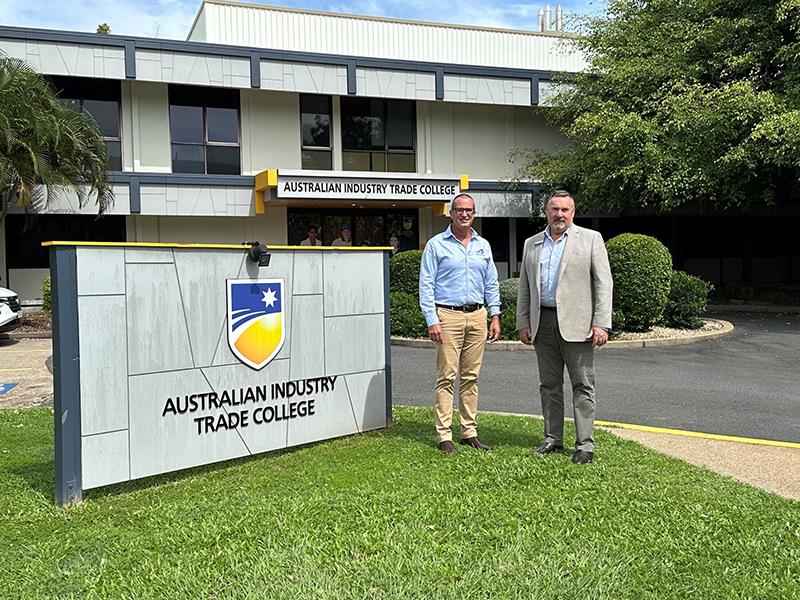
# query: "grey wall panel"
{"type": "Point", "coordinates": [258, 436]}
{"type": "Point", "coordinates": [205, 306]}
{"type": "Point", "coordinates": [487, 90]}
{"type": "Point", "coordinates": [303, 77]}
{"type": "Point", "coordinates": [77, 60]}
{"type": "Point", "coordinates": [352, 283]}
{"type": "Point", "coordinates": [385, 83]}
{"type": "Point", "coordinates": [170, 442]}
{"type": "Point", "coordinates": [367, 396]}
{"type": "Point", "coordinates": [192, 69]}
{"type": "Point", "coordinates": [307, 337]}
{"type": "Point", "coordinates": [104, 403]}
{"type": "Point", "coordinates": [100, 271]}
{"type": "Point", "coordinates": [105, 459]}
{"type": "Point", "coordinates": [156, 319]}
{"type": "Point", "coordinates": [148, 255]}
{"type": "Point", "coordinates": [342, 355]}
{"type": "Point", "coordinates": [307, 273]}
{"type": "Point", "coordinates": [333, 417]}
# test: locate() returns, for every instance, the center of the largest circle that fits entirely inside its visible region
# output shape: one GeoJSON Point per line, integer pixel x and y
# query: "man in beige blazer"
{"type": "Point", "coordinates": [564, 307]}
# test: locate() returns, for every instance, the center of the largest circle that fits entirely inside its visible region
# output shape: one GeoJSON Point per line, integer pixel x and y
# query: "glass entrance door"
{"type": "Point", "coordinates": [367, 227]}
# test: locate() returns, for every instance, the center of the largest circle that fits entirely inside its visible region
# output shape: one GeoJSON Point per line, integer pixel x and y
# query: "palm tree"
{"type": "Point", "coordinates": [46, 149]}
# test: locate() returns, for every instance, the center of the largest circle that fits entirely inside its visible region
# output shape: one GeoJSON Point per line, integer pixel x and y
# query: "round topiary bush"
{"type": "Point", "coordinates": [508, 323]}
{"type": "Point", "coordinates": [406, 316]}
{"type": "Point", "coordinates": [642, 269]}
{"type": "Point", "coordinates": [509, 288]}
{"type": "Point", "coordinates": [688, 297]}
{"type": "Point", "coordinates": [404, 272]}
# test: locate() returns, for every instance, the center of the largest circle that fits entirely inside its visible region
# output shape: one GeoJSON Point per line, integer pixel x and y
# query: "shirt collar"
{"type": "Point", "coordinates": [564, 235]}
{"type": "Point", "coordinates": [449, 233]}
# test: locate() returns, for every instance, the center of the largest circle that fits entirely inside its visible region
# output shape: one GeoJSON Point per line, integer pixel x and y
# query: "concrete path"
{"type": "Point", "coordinates": [24, 362]}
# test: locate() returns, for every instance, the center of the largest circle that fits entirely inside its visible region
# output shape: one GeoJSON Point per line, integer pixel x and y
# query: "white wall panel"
{"type": "Point", "coordinates": [285, 29]}
{"type": "Point", "coordinates": [385, 83]}
{"type": "Point", "coordinates": [311, 78]}
{"type": "Point", "coordinates": [192, 69]}
{"type": "Point", "coordinates": [76, 60]}
{"type": "Point", "coordinates": [270, 131]}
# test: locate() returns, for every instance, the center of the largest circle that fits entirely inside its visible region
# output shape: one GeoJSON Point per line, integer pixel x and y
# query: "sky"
{"type": "Point", "coordinates": [171, 19]}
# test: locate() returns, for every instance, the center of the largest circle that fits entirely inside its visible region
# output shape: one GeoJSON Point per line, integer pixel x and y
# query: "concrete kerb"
{"type": "Point", "coordinates": [727, 329]}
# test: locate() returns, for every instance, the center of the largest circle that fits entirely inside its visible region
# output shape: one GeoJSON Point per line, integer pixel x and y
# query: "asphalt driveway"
{"type": "Point", "coordinates": [746, 384]}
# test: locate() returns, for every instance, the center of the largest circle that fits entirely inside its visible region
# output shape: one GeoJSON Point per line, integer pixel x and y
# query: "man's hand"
{"type": "Point", "coordinates": [494, 329]}
{"type": "Point", "coordinates": [525, 335]}
{"type": "Point", "coordinates": [435, 333]}
{"type": "Point", "coordinates": [599, 336]}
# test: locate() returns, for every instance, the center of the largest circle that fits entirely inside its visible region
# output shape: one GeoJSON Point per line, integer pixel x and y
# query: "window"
{"type": "Point", "coordinates": [101, 99]}
{"type": "Point", "coordinates": [204, 130]}
{"type": "Point", "coordinates": [378, 135]}
{"type": "Point", "coordinates": [25, 234]}
{"type": "Point", "coordinates": [315, 126]}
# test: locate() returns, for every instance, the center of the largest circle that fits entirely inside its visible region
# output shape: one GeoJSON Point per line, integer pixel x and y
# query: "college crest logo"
{"type": "Point", "coordinates": [256, 328]}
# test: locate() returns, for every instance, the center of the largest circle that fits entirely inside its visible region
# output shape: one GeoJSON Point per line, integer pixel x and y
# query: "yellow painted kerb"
{"type": "Point", "coordinates": [699, 434]}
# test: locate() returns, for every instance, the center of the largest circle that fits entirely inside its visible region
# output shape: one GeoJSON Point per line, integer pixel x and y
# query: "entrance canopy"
{"type": "Point", "coordinates": [346, 189]}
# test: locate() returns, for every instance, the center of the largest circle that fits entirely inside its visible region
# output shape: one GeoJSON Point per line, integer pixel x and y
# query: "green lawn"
{"type": "Point", "coordinates": [384, 515]}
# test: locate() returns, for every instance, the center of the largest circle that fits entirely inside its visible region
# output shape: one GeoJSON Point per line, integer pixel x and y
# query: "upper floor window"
{"type": "Point", "coordinates": [378, 135]}
{"type": "Point", "coordinates": [101, 99]}
{"type": "Point", "coordinates": [204, 130]}
{"type": "Point", "coordinates": [315, 126]}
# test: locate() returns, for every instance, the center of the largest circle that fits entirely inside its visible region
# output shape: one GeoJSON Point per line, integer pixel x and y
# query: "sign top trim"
{"type": "Point", "coordinates": [215, 246]}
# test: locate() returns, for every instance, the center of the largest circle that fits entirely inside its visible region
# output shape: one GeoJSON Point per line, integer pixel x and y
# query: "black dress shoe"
{"type": "Point", "coordinates": [548, 448]}
{"type": "Point", "coordinates": [447, 447]}
{"type": "Point", "coordinates": [475, 443]}
{"type": "Point", "coordinates": [582, 457]}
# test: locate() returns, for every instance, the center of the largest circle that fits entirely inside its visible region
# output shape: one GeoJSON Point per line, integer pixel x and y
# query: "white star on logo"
{"type": "Point", "coordinates": [269, 298]}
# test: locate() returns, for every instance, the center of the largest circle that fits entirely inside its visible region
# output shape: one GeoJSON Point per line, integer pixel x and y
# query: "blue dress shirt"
{"type": "Point", "coordinates": [550, 265]}
{"type": "Point", "coordinates": [456, 275]}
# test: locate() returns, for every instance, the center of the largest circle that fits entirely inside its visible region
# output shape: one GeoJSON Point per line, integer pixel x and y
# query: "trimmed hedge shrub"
{"type": "Point", "coordinates": [508, 323]}
{"type": "Point", "coordinates": [47, 296]}
{"type": "Point", "coordinates": [688, 297]}
{"type": "Point", "coordinates": [406, 316]}
{"type": "Point", "coordinates": [642, 271]}
{"type": "Point", "coordinates": [509, 288]}
{"type": "Point", "coordinates": [404, 272]}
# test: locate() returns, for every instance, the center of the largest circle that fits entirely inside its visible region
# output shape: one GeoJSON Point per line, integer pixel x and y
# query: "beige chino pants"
{"type": "Point", "coordinates": [460, 353]}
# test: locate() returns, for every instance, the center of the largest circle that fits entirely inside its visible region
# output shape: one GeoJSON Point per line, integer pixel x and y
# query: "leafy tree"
{"type": "Point", "coordinates": [104, 29]}
{"type": "Point", "coordinates": [684, 101]}
{"type": "Point", "coordinates": [46, 149]}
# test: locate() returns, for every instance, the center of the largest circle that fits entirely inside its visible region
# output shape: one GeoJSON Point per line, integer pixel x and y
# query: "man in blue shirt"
{"type": "Point", "coordinates": [457, 281]}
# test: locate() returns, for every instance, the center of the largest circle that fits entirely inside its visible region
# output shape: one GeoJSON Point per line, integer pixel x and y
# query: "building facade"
{"type": "Point", "coordinates": [268, 121]}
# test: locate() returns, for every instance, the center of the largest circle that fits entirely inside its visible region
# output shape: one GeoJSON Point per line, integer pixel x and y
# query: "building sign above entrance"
{"type": "Point", "coordinates": [350, 185]}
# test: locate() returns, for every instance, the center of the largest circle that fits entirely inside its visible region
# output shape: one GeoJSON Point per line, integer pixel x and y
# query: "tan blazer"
{"type": "Point", "coordinates": [584, 292]}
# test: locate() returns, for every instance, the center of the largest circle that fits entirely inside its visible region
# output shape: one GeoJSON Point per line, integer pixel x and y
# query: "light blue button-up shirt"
{"type": "Point", "coordinates": [455, 275]}
{"type": "Point", "coordinates": [549, 266]}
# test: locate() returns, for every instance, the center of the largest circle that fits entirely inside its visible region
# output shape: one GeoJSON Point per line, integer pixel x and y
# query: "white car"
{"type": "Point", "coordinates": [10, 310]}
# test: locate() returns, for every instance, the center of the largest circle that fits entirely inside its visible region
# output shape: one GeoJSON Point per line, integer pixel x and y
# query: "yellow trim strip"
{"type": "Point", "coordinates": [10, 370]}
{"type": "Point", "coordinates": [464, 182]}
{"type": "Point", "coordinates": [210, 246]}
{"type": "Point", "coordinates": [698, 434]}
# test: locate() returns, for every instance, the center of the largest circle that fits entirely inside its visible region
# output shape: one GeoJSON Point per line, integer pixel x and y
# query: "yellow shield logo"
{"type": "Point", "coordinates": [256, 329]}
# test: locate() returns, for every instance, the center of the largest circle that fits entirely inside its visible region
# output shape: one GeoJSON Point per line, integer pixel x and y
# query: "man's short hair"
{"type": "Point", "coordinates": [462, 195]}
{"type": "Point", "coordinates": [560, 194]}
{"type": "Point", "coordinates": [312, 227]}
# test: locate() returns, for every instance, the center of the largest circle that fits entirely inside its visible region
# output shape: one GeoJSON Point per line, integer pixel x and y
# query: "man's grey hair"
{"type": "Point", "coordinates": [462, 195]}
{"type": "Point", "coordinates": [559, 194]}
